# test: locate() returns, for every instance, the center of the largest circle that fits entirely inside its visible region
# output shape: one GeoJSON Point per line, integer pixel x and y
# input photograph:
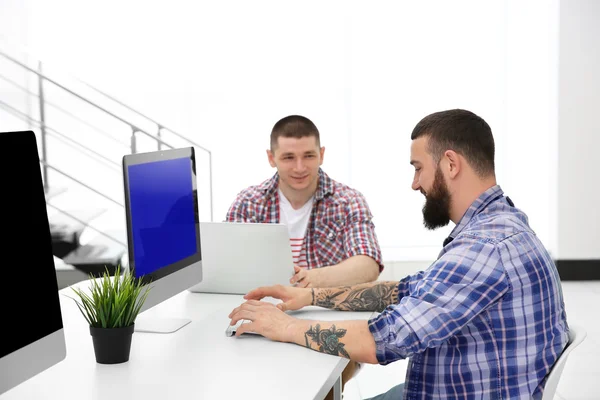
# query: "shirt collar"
{"type": "Point", "coordinates": [324, 187]}
{"type": "Point", "coordinates": [475, 208]}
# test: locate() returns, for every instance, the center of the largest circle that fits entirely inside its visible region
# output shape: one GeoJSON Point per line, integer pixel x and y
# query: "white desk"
{"type": "Point", "coordinates": [198, 361]}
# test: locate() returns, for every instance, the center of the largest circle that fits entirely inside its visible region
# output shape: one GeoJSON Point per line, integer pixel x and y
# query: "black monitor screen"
{"type": "Point", "coordinates": [162, 212]}
{"type": "Point", "coordinates": [26, 247]}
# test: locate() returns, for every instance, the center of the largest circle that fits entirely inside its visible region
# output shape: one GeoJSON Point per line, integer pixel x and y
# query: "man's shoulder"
{"type": "Point", "coordinates": [344, 194]}
{"type": "Point", "coordinates": [250, 192]}
{"type": "Point", "coordinates": [497, 224]}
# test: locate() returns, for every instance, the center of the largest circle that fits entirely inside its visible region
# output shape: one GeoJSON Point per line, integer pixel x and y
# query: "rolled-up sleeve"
{"type": "Point", "coordinates": [360, 237]}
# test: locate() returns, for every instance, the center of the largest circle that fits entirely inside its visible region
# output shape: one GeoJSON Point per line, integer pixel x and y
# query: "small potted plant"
{"type": "Point", "coordinates": [110, 306]}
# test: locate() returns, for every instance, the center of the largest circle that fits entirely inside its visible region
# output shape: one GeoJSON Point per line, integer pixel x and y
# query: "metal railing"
{"type": "Point", "coordinates": [46, 130]}
{"type": "Point", "coordinates": [61, 136]}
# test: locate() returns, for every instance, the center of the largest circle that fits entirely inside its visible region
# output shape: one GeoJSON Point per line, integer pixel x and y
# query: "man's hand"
{"type": "Point", "coordinates": [302, 277]}
{"type": "Point", "coordinates": [266, 320]}
{"type": "Point", "coordinates": [292, 298]}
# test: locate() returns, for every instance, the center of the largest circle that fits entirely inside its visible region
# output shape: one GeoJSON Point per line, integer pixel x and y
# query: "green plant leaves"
{"type": "Point", "coordinates": [113, 301]}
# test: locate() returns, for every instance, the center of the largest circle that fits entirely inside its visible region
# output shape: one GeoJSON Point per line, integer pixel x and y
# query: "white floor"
{"type": "Point", "coordinates": [580, 377]}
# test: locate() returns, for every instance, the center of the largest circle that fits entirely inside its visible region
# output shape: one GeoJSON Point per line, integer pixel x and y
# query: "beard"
{"type": "Point", "coordinates": [436, 210]}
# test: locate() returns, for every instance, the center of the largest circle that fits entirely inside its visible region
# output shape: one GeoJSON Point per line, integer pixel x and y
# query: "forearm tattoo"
{"type": "Point", "coordinates": [368, 297]}
{"type": "Point", "coordinates": [326, 340]}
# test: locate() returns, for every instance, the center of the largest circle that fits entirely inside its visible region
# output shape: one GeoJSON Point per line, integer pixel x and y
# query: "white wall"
{"type": "Point", "coordinates": [224, 72]}
{"type": "Point", "coordinates": [578, 180]}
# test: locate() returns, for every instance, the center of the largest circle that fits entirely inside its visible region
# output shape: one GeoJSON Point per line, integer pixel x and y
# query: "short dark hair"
{"type": "Point", "coordinates": [295, 126]}
{"type": "Point", "coordinates": [461, 131]}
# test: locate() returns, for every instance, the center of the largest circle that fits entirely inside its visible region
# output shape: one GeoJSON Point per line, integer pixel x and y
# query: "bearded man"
{"type": "Point", "coordinates": [486, 320]}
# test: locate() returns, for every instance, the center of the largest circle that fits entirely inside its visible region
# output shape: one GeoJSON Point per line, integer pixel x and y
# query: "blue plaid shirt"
{"type": "Point", "coordinates": [486, 320]}
{"type": "Point", "coordinates": [340, 224]}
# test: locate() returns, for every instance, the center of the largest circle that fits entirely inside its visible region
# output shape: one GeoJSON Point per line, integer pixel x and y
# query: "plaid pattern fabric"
{"type": "Point", "coordinates": [486, 320]}
{"type": "Point", "coordinates": [340, 224]}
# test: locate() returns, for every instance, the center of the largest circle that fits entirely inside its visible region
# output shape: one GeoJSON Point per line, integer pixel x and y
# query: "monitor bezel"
{"type": "Point", "coordinates": [151, 157]}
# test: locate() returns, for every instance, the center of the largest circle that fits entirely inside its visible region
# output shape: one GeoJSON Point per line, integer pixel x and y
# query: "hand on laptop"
{"type": "Point", "coordinates": [292, 298]}
{"type": "Point", "coordinates": [301, 277]}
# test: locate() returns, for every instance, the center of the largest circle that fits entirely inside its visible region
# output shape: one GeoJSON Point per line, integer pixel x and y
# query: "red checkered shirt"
{"type": "Point", "coordinates": [340, 224]}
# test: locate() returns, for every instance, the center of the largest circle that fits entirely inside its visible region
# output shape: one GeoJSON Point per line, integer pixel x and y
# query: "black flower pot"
{"type": "Point", "coordinates": [112, 345]}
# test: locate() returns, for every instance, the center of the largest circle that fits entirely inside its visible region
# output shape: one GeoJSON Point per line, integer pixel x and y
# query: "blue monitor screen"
{"type": "Point", "coordinates": [163, 214]}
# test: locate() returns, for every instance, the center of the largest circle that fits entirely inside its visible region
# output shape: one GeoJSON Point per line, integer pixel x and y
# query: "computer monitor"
{"type": "Point", "coordinates": [33, 338]}
{"type": "Point", "coordinates": [163, 228]}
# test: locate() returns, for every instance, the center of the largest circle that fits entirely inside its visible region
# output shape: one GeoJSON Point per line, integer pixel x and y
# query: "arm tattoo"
{"type": "Point", "coordinates": [369, 297]}
{"type": "Point", "coordinates": [328, 298]}
{"type": "Point", "coordinates": [313, 295]}
{"type": "Point", "coordinates": [326, 340]}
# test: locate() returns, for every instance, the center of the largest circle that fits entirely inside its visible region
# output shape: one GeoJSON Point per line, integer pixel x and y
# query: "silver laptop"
{"type": "Point", "coordinates": [238, 257]}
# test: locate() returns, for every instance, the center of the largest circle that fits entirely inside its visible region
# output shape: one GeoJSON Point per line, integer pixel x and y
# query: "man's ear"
{"type": "Point", "coordinates": [453, 163]}
{"type": "Point", "coordinates": [271, 158]}
{"type": "Point", "coordinates": [322, 152]}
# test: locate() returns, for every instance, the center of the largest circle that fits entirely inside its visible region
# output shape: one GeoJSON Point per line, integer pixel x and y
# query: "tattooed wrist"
{"type": "Point", "coordinates": [328, 298]}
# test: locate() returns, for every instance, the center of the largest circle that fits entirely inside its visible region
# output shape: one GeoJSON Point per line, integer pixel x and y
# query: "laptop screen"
{"type": "Point", "coordinates": [161, 211]}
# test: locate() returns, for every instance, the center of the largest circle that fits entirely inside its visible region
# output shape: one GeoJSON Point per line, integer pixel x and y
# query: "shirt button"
{"type": "Point", "coordinates": [331, 235]}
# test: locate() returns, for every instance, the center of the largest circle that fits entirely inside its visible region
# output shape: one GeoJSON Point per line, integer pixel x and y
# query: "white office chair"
{"type": "Point", "coordinates": [576, 335]}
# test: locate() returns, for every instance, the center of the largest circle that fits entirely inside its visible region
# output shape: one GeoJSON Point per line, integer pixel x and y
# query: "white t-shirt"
{"type": "Point", "coordinates": [297, 222]}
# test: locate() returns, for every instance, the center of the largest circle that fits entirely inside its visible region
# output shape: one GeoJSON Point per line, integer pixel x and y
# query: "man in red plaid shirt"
{"type": "Point", "coordinates": [330, 223]}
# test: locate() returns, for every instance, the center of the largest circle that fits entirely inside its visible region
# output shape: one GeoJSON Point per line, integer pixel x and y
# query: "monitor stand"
{"type": "Point", "coordinates": [159, 325]}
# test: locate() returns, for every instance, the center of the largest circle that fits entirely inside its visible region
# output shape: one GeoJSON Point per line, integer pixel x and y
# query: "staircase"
{"type": "Point", "coordinates": [82, 135]}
